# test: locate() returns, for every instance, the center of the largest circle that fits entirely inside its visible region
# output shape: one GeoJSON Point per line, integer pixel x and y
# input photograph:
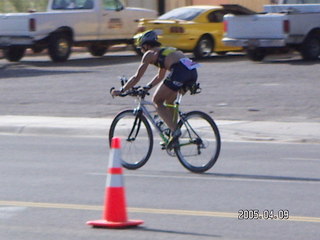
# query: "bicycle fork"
{"type": "Point", "coordinates": [135, 127]}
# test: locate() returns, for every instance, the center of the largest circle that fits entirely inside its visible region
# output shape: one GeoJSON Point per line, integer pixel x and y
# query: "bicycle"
{"type": "Point", "coordinates": [197, 148]}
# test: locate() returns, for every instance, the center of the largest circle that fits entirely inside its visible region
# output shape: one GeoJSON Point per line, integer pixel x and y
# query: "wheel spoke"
{"type": "Point", "coordinates": [199, 145]}
{"type": "Point", "coordinates": [138, 143]}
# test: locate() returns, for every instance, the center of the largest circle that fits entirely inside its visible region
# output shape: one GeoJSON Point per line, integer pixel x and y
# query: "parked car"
{"type": "Point", "coordinates": [197, 29]}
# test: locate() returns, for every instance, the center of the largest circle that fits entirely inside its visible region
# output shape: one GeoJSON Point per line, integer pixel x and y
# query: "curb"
{"type": "Point", "coordinates": [261, 131]}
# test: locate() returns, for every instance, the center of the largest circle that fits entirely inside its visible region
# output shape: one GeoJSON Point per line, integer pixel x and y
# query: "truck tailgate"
{"type": "Point", "coordinates": [255, 26]}
{"type": "Point", "coordinates": [14, 24]}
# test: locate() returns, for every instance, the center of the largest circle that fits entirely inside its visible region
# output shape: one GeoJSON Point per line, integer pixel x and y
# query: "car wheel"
{"type": "Point", "coordinates": [138, 51]}
{"type": "Point", "coordinates": [256, 54]}
{"type": "Point", "coordinates": [310, 49]}
{"type": "Point", "coordinates": [204, 47]}
{"type": "Point", "coordinates": [14, 53]}
{"type": "Point", "coordinates": [97, 50]}
{"type": "Point", "coordinates": [59, 47]}
{"type": "Point", "coordinates": [222, 53]}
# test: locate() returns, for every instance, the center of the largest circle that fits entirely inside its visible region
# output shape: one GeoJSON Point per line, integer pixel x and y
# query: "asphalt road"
{"type": "Point", "coordinates": [50, 187]}
{"type": "Point", "coordinates": [233, 87]}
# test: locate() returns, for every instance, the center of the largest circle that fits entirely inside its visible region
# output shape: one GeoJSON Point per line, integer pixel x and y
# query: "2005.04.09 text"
{"type": "Point", "coordinates": [255, 214]}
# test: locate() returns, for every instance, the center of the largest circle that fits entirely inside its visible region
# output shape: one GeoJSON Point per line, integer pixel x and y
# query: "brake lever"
{"type": "Point", "coordinates": [146, 89]}
{"type": "Point", "coordinates": [111, 89]}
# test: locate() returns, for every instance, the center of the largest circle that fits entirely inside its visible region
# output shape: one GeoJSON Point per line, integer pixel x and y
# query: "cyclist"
{"type": "Point", "coordinates": [183, 73]}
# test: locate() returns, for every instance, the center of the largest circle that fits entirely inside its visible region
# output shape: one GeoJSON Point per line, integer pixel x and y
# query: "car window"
{"type": "Point", "coordinates": [112, 5]}
{"type": "Point", "coordinates": [72, 4]}
{"type": "Point", "coordinates": [216, 16]}
{"type": "Point", "coordinates": [182, 14]}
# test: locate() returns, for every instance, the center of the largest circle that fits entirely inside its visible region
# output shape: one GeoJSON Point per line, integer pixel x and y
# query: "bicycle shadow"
{"type": "Point", "coordinates": [185, 233]}
{"type": "Point", "coordinates": [261, 177]}
{"type": "Point", "coordinates": [233, 176]}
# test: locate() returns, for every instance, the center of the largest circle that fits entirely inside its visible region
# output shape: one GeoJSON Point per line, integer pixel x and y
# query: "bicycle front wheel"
{"type": "Point", "coordinates": [200, 143]}
{"type": "Point", "coordinates": [136, 135]}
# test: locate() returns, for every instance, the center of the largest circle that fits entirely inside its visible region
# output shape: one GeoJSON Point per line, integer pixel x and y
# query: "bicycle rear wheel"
{"type": "Point", "coordinates": [136, 135]}
{"type": "Point", "coordinates": [200, 143]}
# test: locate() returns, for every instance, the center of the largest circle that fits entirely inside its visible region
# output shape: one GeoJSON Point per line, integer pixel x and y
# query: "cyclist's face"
{"type": "Point", "coordinates": [144, 48]}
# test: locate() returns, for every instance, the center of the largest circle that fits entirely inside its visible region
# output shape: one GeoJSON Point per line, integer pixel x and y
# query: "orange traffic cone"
{"type": "Point", "coordinates": [115, 212]}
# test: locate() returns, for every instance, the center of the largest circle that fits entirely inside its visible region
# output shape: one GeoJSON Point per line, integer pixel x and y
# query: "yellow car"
{"type": "Point", "coordinates": [197, 29]}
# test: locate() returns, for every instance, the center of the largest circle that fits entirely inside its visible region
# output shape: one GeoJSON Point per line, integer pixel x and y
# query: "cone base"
{"type": "Point", "coordinates": [107, 224]}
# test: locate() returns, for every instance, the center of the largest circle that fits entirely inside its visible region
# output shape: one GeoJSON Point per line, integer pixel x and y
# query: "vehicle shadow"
{"type": "Point", "coordinates": [86, 62]}
{"type": "Point", "coordinates": [19, 70]}
{"type": "Point", "coordinates": [34, 67]}
{"type": "Point", "coordinates": [230, 57]}
{"type": "Point", "coordinates": [293, 61]}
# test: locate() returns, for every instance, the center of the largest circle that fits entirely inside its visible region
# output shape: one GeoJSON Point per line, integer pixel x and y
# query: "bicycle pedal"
{"type": "Point", "coordinates": [163, 145]}
{"type": "Point", "coordinates": [171, 152]}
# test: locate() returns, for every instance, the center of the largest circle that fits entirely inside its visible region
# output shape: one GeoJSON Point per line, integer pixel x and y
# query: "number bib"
{"type": "Point", "coordinates": [188, 63]}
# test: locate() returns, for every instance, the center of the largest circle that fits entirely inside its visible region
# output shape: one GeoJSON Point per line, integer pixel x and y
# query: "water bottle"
{"type": "Point", "coordinates": [159, 122]}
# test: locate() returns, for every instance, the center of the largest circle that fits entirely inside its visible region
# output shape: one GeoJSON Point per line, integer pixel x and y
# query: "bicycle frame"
{"type": "Point", "coordinates": [143, 109]}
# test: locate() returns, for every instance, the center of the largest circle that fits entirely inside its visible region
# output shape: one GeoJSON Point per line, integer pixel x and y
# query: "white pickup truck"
{"type": "Point", "coordinates": [95, 24]}
{"type": "Point", "coordinates": [292, 25]}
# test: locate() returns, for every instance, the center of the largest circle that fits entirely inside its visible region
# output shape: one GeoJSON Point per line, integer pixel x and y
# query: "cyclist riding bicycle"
{"type": "Point", "coordinates": [183, 74]}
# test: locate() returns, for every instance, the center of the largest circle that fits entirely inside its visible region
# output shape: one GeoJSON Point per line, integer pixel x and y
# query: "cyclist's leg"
{"type": "Point", "coordinates": [167, 91]}
{"type": "Point", "coordinates": [163, 95]}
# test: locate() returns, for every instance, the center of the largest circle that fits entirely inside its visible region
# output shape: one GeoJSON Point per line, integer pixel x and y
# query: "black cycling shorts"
{"type": "Point", "coordinates": [180, 76]}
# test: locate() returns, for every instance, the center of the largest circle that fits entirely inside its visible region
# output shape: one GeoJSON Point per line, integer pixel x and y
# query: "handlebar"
{"type": "Point", "coordinates": [135, 92]}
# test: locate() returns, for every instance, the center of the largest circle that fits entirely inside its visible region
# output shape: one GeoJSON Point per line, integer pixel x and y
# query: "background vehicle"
{"type": "Point", "coordinates": [282, 28]}
{"type": "Point", "coordinates": [298, 1]}
{"type": "Point", "coordinates": [197, 29]}
{"type": "Point", "coordinates": [95, 24]}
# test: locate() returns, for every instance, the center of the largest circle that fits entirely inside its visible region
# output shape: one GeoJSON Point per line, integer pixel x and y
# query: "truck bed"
{"type": "Point", "coordinates": [255, 26]}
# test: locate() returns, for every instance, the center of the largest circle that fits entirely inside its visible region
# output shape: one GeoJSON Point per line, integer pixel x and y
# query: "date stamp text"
{"type": "Point", "coordinates": [255, 214]}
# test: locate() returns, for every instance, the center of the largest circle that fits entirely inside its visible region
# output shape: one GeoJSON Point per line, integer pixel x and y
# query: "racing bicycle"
{"type": "Point", "coordinates": [197, 148]}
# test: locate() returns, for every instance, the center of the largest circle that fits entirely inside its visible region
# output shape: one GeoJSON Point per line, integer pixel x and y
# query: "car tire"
{"type": "Point", "coordinates": [222, 53]}
{"type": "Point", "coordinates": [256, 54]}
{"type": "Point", "coordinates": [138, 51]}
{"type": "Point", "coordinates": [203, 48]}
{"type": "Point", "coordinates": [97, 50]}
{"type": "Point", "coordinates": [59, 47]}
{"type": "Point", "coordinates": [310, 49]}
{"type": "Point", "coordinates": [14, 53]}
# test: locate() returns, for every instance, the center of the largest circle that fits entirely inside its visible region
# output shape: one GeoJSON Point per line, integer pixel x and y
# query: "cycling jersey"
{"type": "Point", "coordinates": [162, 56]}
{"type": "Point", "coordinates": [182, 73]}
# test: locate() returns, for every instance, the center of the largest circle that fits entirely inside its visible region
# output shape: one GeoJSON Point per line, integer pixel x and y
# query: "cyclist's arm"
{"type": "Point", "coordinates": [158, 78]}
{"type": "Point", "coordinates": [141, 70]}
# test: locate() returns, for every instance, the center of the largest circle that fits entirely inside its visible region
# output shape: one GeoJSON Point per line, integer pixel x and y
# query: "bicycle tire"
{"type": "Point", "coordinates": [137, 138]}
{"type": "Point", "coordinates": [198, 149]}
